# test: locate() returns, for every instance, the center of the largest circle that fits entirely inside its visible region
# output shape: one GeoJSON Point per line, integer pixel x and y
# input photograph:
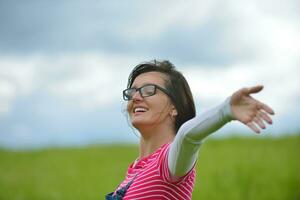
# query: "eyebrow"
{"type": "Point", "coordinates": [147, 83]}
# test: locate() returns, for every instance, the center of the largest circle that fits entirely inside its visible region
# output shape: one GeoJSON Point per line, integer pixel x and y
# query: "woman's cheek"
{"type": "Point", "coordinates": [129, 107]}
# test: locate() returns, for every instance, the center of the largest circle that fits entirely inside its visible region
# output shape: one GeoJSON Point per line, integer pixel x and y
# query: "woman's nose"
{"type": "Point", "coordinates": [137, 96]}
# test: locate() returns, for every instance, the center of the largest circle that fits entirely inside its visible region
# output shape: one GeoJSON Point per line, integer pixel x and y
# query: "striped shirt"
{"type": "Point", "coordinates": [153, 179]}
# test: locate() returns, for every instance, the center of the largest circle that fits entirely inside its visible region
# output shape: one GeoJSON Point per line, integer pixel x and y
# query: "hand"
{"type": "Point", "coordinates": [250, 111]}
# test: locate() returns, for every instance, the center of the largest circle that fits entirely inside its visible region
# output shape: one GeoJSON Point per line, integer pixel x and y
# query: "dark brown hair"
{"type": "Point", "coordinates": [177, 86]}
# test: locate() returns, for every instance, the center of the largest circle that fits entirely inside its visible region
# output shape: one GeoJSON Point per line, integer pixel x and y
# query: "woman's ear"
{"type": "Point", "coordinates": [174, 112]}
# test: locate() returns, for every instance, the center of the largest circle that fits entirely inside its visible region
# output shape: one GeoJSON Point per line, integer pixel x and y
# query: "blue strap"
{"type": "Point", "coordinates": [121, 192]}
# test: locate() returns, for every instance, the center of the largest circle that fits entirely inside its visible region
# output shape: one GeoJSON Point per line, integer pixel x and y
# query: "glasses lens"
{"type": "Point", "coordinates": [128, 93]}
{"type": "Point", "coordinates": [148, 90]}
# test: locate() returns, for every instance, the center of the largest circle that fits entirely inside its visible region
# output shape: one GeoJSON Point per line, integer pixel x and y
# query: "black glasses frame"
{"type": "Point", "coordinates": [126, 97]}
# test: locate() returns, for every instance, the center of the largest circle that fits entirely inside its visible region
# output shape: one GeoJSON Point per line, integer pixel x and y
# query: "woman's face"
{"type": "Point", "coordinates": [153, 110]}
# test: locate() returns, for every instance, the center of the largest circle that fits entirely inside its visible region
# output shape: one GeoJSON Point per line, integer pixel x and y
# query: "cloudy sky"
{"type": "Point", "coordinates": [63, 64]}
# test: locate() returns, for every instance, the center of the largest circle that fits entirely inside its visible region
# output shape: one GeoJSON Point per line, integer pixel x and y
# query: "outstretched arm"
{"type": "Point", "coordinates": [240, 106]}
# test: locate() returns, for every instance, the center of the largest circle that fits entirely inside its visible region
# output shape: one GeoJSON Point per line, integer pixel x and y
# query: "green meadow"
{"type": "Point", "coordinates": [233, 168]}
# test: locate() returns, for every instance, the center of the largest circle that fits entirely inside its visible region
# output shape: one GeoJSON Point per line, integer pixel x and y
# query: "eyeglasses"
{"type": "Point", "coordinates": [145, 91]}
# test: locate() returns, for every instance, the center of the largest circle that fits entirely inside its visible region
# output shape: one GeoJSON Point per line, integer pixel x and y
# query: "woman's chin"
{"type": "Point", "coordinates": [138, 123]}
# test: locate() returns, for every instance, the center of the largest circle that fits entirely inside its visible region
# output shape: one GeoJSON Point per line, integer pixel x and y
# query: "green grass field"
{"type": "Point", "coordinates": [232, 169]}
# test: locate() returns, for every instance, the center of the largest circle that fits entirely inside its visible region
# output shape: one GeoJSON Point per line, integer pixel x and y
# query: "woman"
{"type": "Point", "coordinates": [161, 107]}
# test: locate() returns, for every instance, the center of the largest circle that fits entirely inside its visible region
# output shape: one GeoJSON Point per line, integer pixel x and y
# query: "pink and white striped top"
{"type": "Point", "coordinates": [153, 179]}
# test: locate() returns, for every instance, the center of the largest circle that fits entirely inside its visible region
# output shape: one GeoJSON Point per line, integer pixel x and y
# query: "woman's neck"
{"type": "Point", "coordinates": [153, 138]}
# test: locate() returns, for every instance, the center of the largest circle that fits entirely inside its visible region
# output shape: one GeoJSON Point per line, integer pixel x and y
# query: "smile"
{"type": "Point", "coordinates": [140, 110]}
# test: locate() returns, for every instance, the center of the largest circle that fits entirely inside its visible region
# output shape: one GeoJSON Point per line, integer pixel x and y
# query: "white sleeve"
{"type": "Point", "coordinates": [184, 149]}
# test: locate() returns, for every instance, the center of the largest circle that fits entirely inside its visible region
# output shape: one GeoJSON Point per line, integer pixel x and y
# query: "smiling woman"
{"type": "Point", "coordinates": [160, 105]}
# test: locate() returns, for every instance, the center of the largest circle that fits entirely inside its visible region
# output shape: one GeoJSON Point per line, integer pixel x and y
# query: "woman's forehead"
{"type": "Point", "coordinates": [157, 78]}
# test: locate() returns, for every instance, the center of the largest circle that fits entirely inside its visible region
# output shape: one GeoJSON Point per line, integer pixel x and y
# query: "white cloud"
{"type": "Point", "coordinates": [266, 46]}
{"type": "Point", "coordinates": [19, 71]}
{"type": "Point", "coordinates": [89, 79]}
{"type": "Point", "coordinates": [160, 16]}
{"type": "Point", "coordinates": [7, 94]}
{"type": "Point", "coordinates": [97, 82]}
{"type": "Point", "coordinates": [16, 78]}
{"type": "Point", "coordinates": [212, 85]}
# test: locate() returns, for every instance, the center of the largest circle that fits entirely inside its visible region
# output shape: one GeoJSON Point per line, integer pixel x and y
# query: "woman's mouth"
{"type": "Point", "coordinates": [140, 110]}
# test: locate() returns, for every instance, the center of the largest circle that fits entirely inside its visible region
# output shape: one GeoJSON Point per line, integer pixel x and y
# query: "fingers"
{"type": "Point", "coordinates": [255, 89]}
{"type": "Point", "coordinates": [253, 127]}
{"type": "Point", "coordinates": [259, 104]}
{"type": "Point", "coordinates": [267, 109]}
{"type": "Point", "coordinates": [259, 122]}
{"type": "Point", "coordinates": [265, 117]}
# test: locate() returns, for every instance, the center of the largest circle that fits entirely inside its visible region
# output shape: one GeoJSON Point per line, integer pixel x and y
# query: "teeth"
{"type": "Point", "coordinates": [140, 110]}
